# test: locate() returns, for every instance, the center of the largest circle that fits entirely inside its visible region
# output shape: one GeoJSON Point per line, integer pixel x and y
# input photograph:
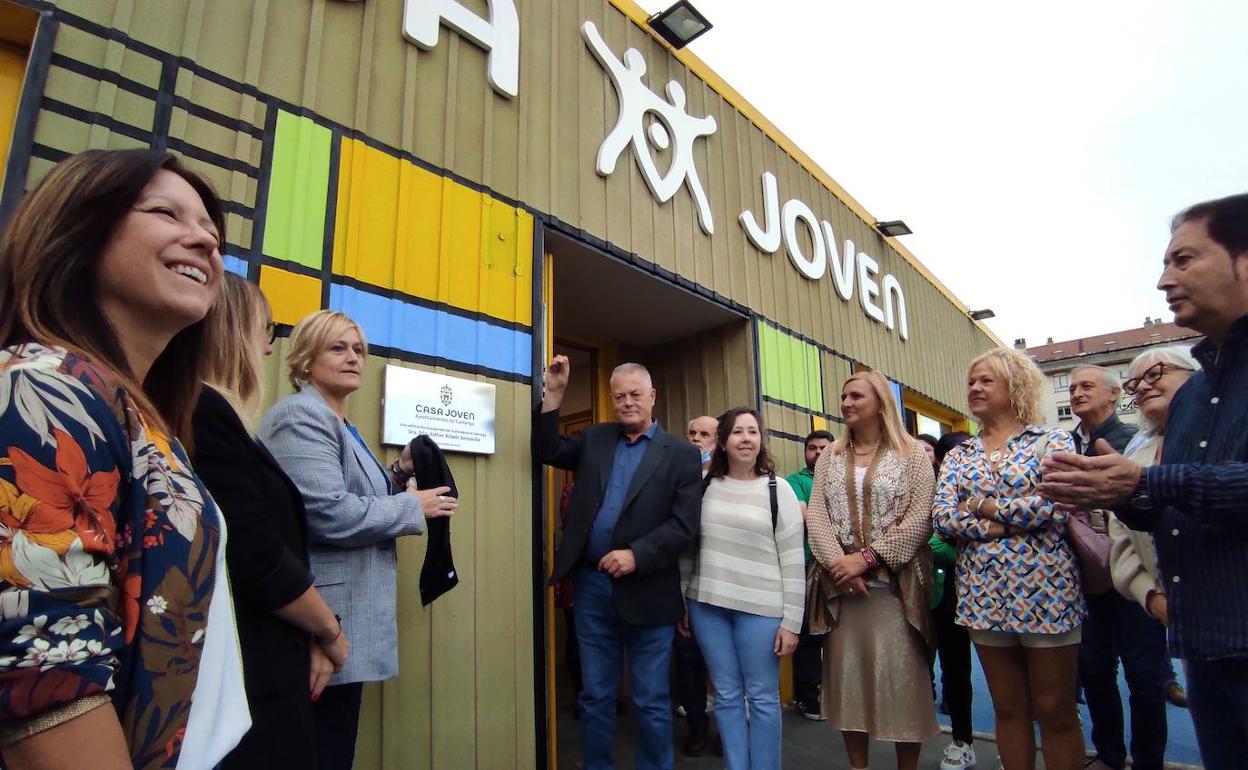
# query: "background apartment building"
{"type": "Point", "coordinates": [1114, 351]}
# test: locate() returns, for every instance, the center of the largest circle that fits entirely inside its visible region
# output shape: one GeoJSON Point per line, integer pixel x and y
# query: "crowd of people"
{"type": "Point", "coordinates": [1055, 554]}
{"type": "Point", "coordinates": [186, 582]}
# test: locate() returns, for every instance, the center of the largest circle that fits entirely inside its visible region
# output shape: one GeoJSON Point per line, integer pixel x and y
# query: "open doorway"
{"type": "Point", "coordinates": [700, 356]}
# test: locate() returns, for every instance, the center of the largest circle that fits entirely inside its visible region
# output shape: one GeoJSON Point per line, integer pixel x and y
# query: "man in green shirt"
{"type": "Point", "coordinates": [808, 658]}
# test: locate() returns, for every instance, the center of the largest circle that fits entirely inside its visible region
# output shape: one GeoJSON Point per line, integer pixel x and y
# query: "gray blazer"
{"type": "Point", "coordinates": [353, 519]}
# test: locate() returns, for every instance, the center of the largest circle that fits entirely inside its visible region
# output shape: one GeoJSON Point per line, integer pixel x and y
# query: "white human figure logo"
{"type": "Point", "coordinates": [672, 126]}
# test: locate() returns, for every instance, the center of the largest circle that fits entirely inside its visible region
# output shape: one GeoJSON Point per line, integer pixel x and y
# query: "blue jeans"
{"type": "Point", "coordinates": [1119, 628]}
{"type": "Point", "coordinates": [1217, 697]}
{"type": "Point", "coordinates": [740, 656]}
{"type": "Point", "coordinates": [604, 637]}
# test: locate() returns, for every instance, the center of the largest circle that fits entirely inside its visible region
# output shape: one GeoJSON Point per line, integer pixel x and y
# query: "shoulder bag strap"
{"type": "Point", "coordinates": [775, 504]}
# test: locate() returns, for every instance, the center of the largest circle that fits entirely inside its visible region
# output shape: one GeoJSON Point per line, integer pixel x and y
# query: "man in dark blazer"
{"type": "Point", "coordinates": [634, 510]}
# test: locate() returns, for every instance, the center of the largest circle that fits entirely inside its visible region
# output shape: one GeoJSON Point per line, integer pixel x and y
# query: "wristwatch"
{"type": "Point", "coordinates": [1140, 500]}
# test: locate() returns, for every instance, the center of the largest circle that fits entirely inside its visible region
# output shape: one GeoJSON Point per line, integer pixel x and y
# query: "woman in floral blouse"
{"type": "Point", "coordinates": [1018, 585]}
{"type": "Point", "coordinates": [868, 521]}
{"type": "Point", "coordinates": [111, 578]}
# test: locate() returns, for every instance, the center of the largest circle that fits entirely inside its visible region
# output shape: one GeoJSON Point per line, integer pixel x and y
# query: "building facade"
{"type": "Point", "coordinates": [481, 186]}
{"type": "Point", "coordinates": [1114, 351]}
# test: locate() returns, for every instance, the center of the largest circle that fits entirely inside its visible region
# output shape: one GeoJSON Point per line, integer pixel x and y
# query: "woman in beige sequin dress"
{"type": "Point", "coordinates": [868, 521]}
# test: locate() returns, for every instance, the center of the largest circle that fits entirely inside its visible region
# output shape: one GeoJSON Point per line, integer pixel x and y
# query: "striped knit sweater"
{"type": "Point", "coordinates": [740, 564]}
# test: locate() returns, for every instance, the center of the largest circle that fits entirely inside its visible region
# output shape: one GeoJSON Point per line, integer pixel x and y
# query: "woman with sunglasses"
{"type": "Point", "coordinates": [1155, 376]}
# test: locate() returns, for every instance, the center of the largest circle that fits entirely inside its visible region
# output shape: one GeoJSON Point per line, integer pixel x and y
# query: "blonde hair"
{"type": "Point", "coordinates": [310, 336]}
{"type": "Point", "coordinates": [232, 359]}
{"type": "Point", "coordinates": [1022, 377]}
{"type": "Point", "coordinates": [893, 433]}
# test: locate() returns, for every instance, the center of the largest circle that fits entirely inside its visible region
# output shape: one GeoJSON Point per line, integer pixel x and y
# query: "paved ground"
{"type": "Point", "coordinates": [807, 744]}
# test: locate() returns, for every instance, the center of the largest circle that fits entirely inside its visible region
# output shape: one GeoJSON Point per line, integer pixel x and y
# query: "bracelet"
{"type": "Point", "coordinates": [328, 642]}
{"type": "Point", "coordinates": [870, 558]}
{"type": "Point", "coordinates": [980, 504]}
{"type": "Point", "coordinates": [396, 468]}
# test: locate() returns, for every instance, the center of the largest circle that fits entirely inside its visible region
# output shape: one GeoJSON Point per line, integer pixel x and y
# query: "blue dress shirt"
{"type": "Point", "coordinates": [1199, 504]}
{"type": "Point", "coordinates": [628, 456]}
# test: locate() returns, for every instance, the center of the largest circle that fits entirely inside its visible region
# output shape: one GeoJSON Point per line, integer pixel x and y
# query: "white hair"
{"type": "Point", "coordinates": [632, 368]}
{"type": "Point", "coordinates": [1178, 356]}
{"type": "Point", "coordinates": [1107, 376]}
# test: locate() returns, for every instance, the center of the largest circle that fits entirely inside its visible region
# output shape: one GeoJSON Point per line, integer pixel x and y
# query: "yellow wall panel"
{"type": "Point", "coordinates": [292, 295]}
{"type": "Point", "coordinates": [402, 227]}
{"type": "Point", "coordinates": [365, 229]}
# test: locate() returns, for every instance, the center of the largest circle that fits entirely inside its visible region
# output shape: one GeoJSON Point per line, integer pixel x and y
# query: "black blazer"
{"type": "Point", "coordinates": [266, 546]}
{"type": "Point", "coordinates": [662, 509]}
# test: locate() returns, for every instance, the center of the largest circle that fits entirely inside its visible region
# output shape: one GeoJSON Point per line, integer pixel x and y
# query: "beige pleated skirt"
{"type": "Point", "coordinates": [875, 675]}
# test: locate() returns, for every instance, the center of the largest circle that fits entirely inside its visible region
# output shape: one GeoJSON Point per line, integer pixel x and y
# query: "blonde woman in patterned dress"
{"type": "Point", "coordinates": [1018, 585]}
{"type": "Point", "coordinates": [869, 520]}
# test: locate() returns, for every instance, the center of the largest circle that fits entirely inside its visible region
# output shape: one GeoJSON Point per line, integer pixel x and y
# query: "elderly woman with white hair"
{"type": "Point", "coordinates": [1154, 377]}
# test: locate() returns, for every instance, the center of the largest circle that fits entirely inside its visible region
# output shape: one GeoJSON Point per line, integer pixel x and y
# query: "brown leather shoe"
{"type": "Point", "coordinates": [1176, 695]}
{"type": "Point", "coordinates": [696, 741]}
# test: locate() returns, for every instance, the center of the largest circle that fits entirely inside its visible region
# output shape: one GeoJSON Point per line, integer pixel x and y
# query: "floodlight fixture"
{"type": "Point", "coordinates": [893, 228]}
{"type": "Point", "coordinates": [680, 24]}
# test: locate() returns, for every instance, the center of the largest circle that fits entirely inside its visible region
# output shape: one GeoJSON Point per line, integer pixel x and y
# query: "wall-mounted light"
{"type": "Point", "coordinates": [680, 24]}
{"type": "Point", "coordinates": [893, 228]}
{"type": "Point", "coordinates": [981, 315]}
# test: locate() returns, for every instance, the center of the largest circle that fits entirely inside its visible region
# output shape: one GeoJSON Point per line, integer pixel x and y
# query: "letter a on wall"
{"type": "Point", "coordinates": [499, 35]}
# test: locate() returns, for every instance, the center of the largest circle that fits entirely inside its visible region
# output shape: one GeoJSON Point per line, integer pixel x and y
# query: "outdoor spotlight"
{"type": "Point", "coordinates": [680, 24]}
{"type": "Point", "coordinates": [980, 315]}
{"type": "Point", "coordinates": [893, 228]}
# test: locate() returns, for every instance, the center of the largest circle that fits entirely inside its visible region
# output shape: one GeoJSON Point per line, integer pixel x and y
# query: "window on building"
{"type": "Point", "coordinates": [1064, 413]}
{"type": "Point", "coordinates": [1061, 382]}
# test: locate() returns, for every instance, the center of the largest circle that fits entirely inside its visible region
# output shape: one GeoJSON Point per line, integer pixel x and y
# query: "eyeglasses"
{"type": "Point", "coordinates": [1150, 375]}
{"type": "Point", "coordinates": [271, 328]}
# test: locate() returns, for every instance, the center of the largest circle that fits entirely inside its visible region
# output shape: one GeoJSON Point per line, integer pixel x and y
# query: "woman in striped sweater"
{"type": "Point", "coordinates": [869, 519]}
{"type": "Point", "coordinates": [746, 592]}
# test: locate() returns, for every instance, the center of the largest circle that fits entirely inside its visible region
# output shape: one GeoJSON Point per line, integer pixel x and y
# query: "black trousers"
{"type": "Point", "coordinates": [953, 645]}
{"type": "Point", "coordinates": [691, 679]}
{"type": "Point", "coordinates": [808, 668]}
{"type": "Point", "coordinates": [337, 722]}
{"type": "Point", "coordinates": [282, 733]}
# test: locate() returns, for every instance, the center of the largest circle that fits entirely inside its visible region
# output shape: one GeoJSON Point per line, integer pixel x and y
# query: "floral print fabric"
{"type": "Point", "coordinates": [1027, 583]}
{"type": "Point", "coordinates": [107, 553]}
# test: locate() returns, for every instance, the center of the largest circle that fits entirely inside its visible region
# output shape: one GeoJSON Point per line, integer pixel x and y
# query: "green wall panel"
{"type": "Point", "coordinates": [790, 368]}
{"type": "Point", "coordinates": [298, 191]}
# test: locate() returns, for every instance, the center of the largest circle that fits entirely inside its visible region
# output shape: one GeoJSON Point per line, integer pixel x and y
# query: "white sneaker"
{"type": "Point", "coordinates": [680, 712]}
{"type": "Point", "coordinates": [958, 756]}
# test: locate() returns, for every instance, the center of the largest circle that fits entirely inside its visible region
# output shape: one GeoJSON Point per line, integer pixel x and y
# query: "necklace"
{"type": "Point", "coordinates": [995, 455]}
{"type": "Point", "coordinates": [856, 453]}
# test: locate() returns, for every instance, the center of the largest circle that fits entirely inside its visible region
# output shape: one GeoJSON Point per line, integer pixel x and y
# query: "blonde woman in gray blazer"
{"type": "Point", "coordinates": [356, 509]}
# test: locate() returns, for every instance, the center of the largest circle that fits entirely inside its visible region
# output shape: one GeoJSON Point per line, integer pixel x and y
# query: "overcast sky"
{"type": "Point", "coordinates": [1037, 151]}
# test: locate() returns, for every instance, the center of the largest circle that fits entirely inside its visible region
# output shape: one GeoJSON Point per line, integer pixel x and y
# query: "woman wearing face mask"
{"type": "Point", "coordinates": [356, 509]}
{"type": "Point", "coordinates": [746, 590]}
{"type": "Point", "coordinates": [114, 603]}
{"type": "Point", "coordinates": [291, 641]}
{"type": "Point", "coordinates": [1017, 583]}
{"type": "Point", "coordinates": [869, 520]}
{"type": "Point", "coordinates": [1155, 376]}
